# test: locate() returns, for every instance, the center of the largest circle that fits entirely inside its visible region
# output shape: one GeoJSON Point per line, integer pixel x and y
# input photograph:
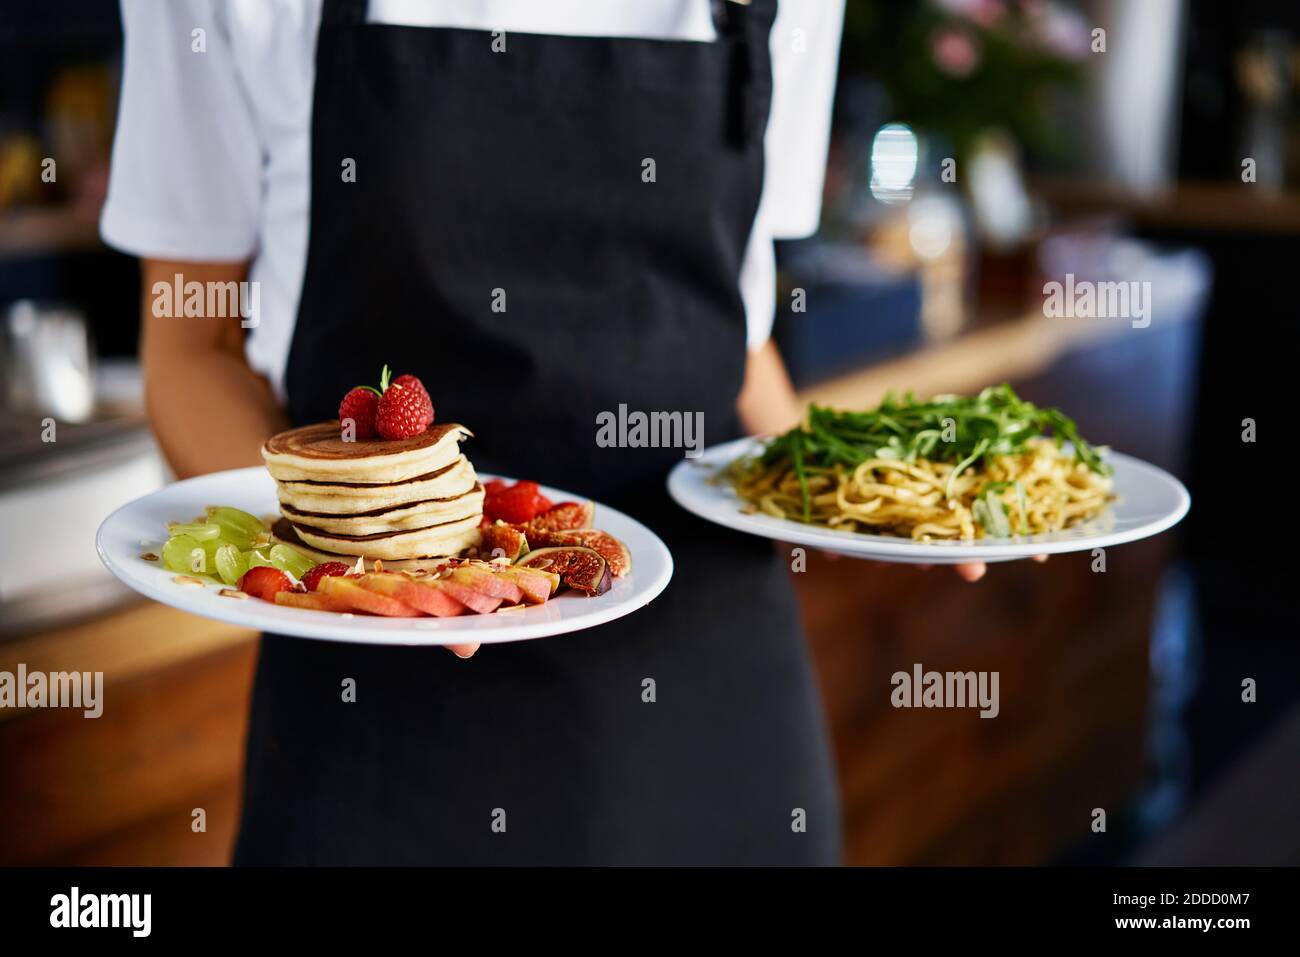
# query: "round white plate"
{"type": "Point", "coordinates": [1149, 500]}
{"type": "Point", "coordinates": [141, 526]}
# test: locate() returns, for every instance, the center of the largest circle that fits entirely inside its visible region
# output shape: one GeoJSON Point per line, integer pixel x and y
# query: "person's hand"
{"type": "Point", "coordinates": [463, 651]}
{"type": "Point", "coordinates": [974, 571]}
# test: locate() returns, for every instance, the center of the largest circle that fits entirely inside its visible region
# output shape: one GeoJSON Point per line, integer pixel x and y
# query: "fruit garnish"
{"type": "Point", "coordinates": [182, 553]}
{"type": "Point", "coordinates": [609, 547]}
{"type": "Point", "coordinates": [237, 527]}
{"type": "Point", "coordinates": [231, 563]}
{"type": "Point", "coordinates": [257, 559]}
{"type": "Point", "coordinates": [359, 406]}
{"type": "Point", "coordinates": [467, 595]}
{"type": "Point", "coordinates": [347, 590]}
{"type": "Point", "coordinates": [502, 541]}
{"type": "Point", "coordinates": [514, 504]}
{"type": "Point", "coordinates": [566, 515]}
{"type": "Point", "coordinates": [582, 569]}
{"type": "Point", "coordinates": [289, 559]}
{"type": "Point", "coordinates": [409, 381]}
{"type": "Point", "coordinates": [487, 583]}
{"type": "Point", "coordinates": [201, 531]}
{"type": "Point", "coordinates": [312, 579]}
{"type": "Point", "coordinates": [263, 582]}
{"type": "Point", "coordinates": [537, 585]}
{"type": "Point", "coordinates": [298, 599]}
{"type": "Point", "coordinates": [418, 594]}
{"type": "Point", "coordinates": [404, 407]}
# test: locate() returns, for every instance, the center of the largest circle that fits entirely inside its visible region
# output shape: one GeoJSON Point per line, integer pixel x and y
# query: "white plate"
{"type": "Point", "coordinates": [141, 526]}
{"type": "Point", "coordinates": [1149, 500]}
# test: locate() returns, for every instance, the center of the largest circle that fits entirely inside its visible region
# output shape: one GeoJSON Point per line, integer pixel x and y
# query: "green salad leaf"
{"type": "Point", "coordinates": [966, 430]}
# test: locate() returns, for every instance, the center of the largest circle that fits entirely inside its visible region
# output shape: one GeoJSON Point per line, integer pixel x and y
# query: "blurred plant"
{"type": "Point", "coordinates": [958, 68]}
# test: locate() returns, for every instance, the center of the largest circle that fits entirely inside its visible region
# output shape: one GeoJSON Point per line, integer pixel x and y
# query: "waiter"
{"type": "Point", "coordinates": [544, 211]}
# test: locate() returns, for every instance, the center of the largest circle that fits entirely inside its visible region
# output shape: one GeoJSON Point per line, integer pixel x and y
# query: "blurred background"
{"type": "Point", "coordinates": [981, 149]}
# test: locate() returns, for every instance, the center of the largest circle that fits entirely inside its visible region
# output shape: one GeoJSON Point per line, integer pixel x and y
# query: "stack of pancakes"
{"type": "Point", "coordinates": [404, 501]}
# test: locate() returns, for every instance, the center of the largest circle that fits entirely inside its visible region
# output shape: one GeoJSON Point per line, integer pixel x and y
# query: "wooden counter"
{"type": "Point", "coordinates": [917, 786]}
{"type": "Point", "coordinates": [121, 788]}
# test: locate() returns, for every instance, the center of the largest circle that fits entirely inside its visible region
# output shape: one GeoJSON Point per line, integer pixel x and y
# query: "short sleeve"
{"type": "Point", "coordinates": [185, 181]}
{"type": "Point", "coordinates": [805, 60]}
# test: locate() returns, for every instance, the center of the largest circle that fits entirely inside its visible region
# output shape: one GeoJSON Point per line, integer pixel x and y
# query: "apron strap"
{"type": "Point", "coordinates": [344, 12]}
{"type": "Point", "coordinates": [747, 25]}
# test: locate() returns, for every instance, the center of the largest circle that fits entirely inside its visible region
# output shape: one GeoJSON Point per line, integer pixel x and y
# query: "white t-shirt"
{"type": "Point", "coordinates": [211, 155]}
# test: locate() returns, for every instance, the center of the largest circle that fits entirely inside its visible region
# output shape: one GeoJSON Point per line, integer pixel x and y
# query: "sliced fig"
{"type": "Point", "coordinates": [566, 515]}
{"type": "Point", "coordinates": [582, 569]}
{"type": "Point", "coordinates": [610, 548]}
{"type": "Point", "coordinates": [502, 541]}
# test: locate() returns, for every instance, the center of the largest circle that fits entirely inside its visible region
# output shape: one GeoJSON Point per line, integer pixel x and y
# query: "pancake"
{"type": "Point", "coordinates": [404, 500]}
{"type": "Point", "coordinates": [458, 478]}
{"type": "Point", "coordinates": [283, 531]}
{"type": "Point", "coordinates": [446, 539]}
{"type": "Point", "coordinates": [394, 518]}
{"type": "Point", "coordinates": [317, 452]}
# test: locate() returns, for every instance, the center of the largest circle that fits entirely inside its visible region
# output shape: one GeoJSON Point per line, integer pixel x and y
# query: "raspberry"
{"type": "Point", "coordinates": [263, 582]}
{"type": "Point", "coordinates": [404, 409]}
{"type": "Point", "coordinates": [415, 385]}
{"type": "Point", "coordinates": [360, 405]}
{"type": "Point", "coordinates": [327, 570]}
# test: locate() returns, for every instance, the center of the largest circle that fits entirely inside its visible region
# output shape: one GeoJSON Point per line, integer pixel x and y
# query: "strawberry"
{"type": "Point", "coordinates": [360, 405]}
{"type": "Point", "coordinates": [328, 569]}
{"type": "Point", "coordinates": [514, 504]}
{"type": "Point", "coordinates": [263, 582]}
{"type": "Point", "coordinates": [404, 408]}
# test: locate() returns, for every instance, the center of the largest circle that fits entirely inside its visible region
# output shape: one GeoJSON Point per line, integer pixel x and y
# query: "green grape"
{"type": "Point", "coordinates": [238, 528]}
{"type": "Point", "coordinates": [290, 560]}
{"type": "Point", "coordinates": [255, 559]}
{"type": "Point", "coordinates": [231, 563]}
{"type": "Point", "coordinates": [176, 553]}
{"type": "Point", "coordinates": [187, 555]}
{"type": "Point", "coordinates": [200, 531]}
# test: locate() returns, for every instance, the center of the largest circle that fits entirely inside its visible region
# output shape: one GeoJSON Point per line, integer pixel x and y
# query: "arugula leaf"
{"type": "Point", "coordinates": [977, 428]}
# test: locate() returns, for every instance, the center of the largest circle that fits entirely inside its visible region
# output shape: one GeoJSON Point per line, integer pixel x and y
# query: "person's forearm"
{"type": "Point", "coordinates": [212, 413]}
{"type": "Point", "coordinates": [208, 409]}
{"type": "Point", "coordinates": [767, 402]}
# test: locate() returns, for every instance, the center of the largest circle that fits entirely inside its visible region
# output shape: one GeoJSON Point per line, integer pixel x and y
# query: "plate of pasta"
{"type": "Point", "coordinates": [950, 479]}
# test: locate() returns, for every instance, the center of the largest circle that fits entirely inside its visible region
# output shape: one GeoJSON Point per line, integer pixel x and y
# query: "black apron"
{"type": "Point", "coordinates": [520, 177]}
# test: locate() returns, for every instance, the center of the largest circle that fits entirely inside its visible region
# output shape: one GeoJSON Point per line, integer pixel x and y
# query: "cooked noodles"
{"type": "Point", "coordinates": [988, 470]}
{"type": "Point", "coordinates": [1041, 490]}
